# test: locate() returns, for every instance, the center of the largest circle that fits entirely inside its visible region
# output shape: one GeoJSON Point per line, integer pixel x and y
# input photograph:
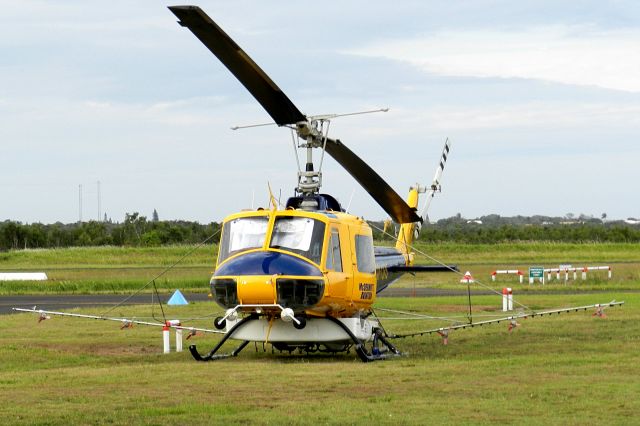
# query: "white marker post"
{"type": "Point", "coordinates": [178, 340]}
{"type": "Point", "coordinates": [176, 324]}
{"type": "Point", "coordinates": [165, 339]}
{"type": "Point", "coordinates": [505, 303]}
{"type": "Point", "coordinates": [507, 299]}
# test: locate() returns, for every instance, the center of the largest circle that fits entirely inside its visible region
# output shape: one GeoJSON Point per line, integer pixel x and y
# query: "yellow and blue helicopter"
{"type": "Point", "coordinates": [306, 276]}
{"type": "Point", "coordinates": [311, 265]}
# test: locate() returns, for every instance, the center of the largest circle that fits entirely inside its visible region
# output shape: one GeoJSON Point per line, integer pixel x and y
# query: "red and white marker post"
{"type": "Point", "coordinates": [166, 336]}
{"type": "Point", "coordinates": [166, 344]}
{"type": "Point", "coordinates": [507, 299]}
{"type": "Point", "coordinates": [467, 279]}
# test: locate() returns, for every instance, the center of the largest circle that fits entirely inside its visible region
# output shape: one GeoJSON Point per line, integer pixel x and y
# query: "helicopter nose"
{"type": "Point", "coordinates": [257, 290]}
{"type": "Point", "coordinates": [267, 263]}
{"type": "Point", "coordinates": [268, 278]}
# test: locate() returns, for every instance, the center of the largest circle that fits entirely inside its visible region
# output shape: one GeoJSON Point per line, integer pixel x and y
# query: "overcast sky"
{"type": "Point", "coordinates": [540, 99]}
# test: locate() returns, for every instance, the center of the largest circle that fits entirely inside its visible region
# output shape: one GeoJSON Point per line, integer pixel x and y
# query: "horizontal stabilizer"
{"type": "Point", "coordinates": [424, 268]}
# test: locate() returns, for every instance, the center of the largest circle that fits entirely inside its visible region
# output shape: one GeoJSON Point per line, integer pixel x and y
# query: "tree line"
{"type": "Point", "coordinates": [494, 229]}
{"type": "Point", "coordinates": [136, 230]}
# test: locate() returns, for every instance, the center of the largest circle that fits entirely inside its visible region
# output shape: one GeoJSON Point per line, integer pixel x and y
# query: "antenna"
{"type": "Point", "coordinates": [80, 203]}
{"type": "Point", "coordinates": [99, 201]}
{"type": "Point", "coordinates": [353, 191]}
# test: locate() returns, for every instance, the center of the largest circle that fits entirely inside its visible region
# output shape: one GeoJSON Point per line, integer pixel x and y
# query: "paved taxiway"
{"type": "Point", "coordinates": [57, 302]}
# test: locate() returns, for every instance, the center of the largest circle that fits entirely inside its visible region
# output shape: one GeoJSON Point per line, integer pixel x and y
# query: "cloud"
{"type": "Point", "coordinates": [532, 114]}
{"type": "Point", "coordinates": [577, 55]}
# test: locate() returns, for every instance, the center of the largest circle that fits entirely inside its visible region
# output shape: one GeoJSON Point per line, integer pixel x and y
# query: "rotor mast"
{"type": "Point", "coordinates": [314, 134]}
{"type": "Point", "coordinates": [314, 131]}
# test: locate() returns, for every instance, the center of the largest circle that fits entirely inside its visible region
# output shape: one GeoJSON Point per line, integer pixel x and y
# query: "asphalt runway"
{"type": "Point", "coordinates": [56, 302]}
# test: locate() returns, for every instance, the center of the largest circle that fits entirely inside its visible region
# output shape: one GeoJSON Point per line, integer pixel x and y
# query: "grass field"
{"type": "Point", "coordinates": [111, 269]}
{"type": "Point", "coordinates": [570, 369]}
{"type": "Point", "coordinates": [121, 270]}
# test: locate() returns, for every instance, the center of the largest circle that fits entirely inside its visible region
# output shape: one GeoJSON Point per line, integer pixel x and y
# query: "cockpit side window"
{"type": "Point", "coordinates": [301, 235]}
{"type": "Point", "coordinates": [365, 256]}
{"type": "Point", "coordinates": [334, 257]}
{"type": "Point", "coordinates": [242, 234]}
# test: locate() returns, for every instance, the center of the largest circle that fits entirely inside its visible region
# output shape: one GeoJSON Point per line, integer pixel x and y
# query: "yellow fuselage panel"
{"type": "Point", "coordinates": [405, 236]}
{"type": "Point", "coordinates": [256, 289]}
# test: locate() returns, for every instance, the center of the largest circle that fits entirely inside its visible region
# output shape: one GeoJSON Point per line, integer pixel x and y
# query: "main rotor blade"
{"type": "Point", "coordinates": [371, 181]}
{"type": "Point", "coordinates": [266, 92]}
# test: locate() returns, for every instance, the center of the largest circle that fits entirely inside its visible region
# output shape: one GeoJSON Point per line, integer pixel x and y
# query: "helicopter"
{"type": "Point", "coordinates": [311, 265]}
{"type": "Point", "coordinates": [306, 276]}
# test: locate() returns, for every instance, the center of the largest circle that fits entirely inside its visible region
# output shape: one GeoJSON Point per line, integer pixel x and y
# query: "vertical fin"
{"type": "Point", "coordinates": [407, 230]}
{"type": "Point", "coordinates": [410, 231]}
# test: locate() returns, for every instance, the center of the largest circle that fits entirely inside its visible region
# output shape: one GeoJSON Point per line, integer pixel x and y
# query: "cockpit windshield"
{"type": "Point", "coordinates": [301, 235]}
{"type": "Point", "coordinates": [242, 234]}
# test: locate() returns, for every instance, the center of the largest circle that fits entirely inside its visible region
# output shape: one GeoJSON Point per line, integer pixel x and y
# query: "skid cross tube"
{"type": "Point", "coordinates": [211, 356]}
{"type": "Point", "coordinates": [361, 350]}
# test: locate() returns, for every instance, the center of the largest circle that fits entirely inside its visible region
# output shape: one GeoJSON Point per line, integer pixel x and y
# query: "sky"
{"type": "Point", "coordinates": [541, 101]}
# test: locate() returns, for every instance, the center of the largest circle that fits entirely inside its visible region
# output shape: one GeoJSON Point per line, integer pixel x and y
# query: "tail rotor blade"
{"type": "Point", "coordinates": [435, 184]}
{"type": "Point", "coordinates": [443, 161]}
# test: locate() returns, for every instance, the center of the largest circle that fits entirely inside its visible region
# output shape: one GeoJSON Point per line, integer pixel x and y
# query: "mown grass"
{"type": "Point", "coordinates": [626, 276]}
{"type": "Point", "coordinates": [524, 252]}
{"type": "Point", "coordinates": [108, 257]}
{"type": "Point", "coordinates": [113, 280]}
{"type": "Point", "coordinates": [110, 269]}
{"type": "Point", "coordinates": [126, 269]}
{"type": "Point", "coordinates": [570, 369]}
{"type": "Point", "coordinates": [509, 253]}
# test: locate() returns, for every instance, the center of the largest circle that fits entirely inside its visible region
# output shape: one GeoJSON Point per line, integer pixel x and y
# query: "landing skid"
{"type": "Point", "coordinates": [381, 347]}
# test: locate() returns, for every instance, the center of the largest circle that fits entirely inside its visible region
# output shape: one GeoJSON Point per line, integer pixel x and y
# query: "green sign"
{"type": "Point", "coordinates": [536, 272]}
